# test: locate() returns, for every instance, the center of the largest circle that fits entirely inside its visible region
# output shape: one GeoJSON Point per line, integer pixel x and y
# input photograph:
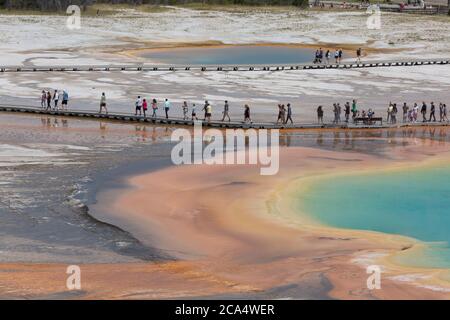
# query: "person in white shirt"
{"type": "Point", "coordinates": [167, 108]}
{"type": "Point", "coordinates": [138, 106]}
{"type": "Point", "coordinates": [55, 99]}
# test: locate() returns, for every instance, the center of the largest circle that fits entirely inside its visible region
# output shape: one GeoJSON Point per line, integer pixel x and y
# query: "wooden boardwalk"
{"type": "Point", "coordinates": [433, 6]}
{"type": "Point", "coordinates": [224, 68]}
{"type": "Point", "coordinates": [123, 117]}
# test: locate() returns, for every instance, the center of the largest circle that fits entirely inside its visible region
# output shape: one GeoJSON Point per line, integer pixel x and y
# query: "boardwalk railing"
{"type": "Point", "coordinates": [223, 68]}
{"type": "Point", "coordinates": [124, 117]}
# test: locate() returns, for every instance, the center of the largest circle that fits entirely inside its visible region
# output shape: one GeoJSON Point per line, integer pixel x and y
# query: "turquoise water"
{"type": "Point", "coordinates": [413, 203]}
{"type": "Point", "coordinates": [249, 54]}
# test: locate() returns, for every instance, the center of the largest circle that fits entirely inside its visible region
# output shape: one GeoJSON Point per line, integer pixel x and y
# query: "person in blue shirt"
{"type": "Point", "coordinates": [65, 101]}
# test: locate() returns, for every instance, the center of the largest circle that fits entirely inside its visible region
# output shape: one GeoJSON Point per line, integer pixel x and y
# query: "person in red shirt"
{"type": "Point", "coordinates": [145, 107]}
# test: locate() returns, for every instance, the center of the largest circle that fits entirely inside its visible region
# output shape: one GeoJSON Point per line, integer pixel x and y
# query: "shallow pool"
{"type": "Point", "coordinates": [221, 55]}
{"type": "Point", "coordinates": [413, 203]}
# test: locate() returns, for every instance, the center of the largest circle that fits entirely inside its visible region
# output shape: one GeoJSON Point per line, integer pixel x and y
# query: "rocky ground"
{"type": "Point", "coordinates": [45, 40]}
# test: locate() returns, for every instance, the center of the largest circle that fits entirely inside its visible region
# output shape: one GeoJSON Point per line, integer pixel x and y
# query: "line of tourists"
{"type": "Point", "coordinates": [142, 106]}
{"type": "Point", "coordinates": [59, 99]}
{"type": "Point", "coordinates": [325, 57]}
{"type": "Point", "coordinates": [347, 110]}
{"type": "Point", "coordinates": [411, 113]}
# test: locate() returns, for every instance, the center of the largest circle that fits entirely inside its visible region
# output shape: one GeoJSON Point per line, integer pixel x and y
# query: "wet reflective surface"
{"type": "Point", "coordinates": [232, 55]}
{"type": "Point", "coordinates": [407, 202]}
{"type": "Point", "coordinates": [52, 167]}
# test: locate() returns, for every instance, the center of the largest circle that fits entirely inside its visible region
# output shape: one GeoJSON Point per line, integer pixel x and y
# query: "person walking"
{"type": "Point", "coordinates": [339, 111]}
{"type": "Point", "coordinates": [389, 113]}
{"type": "Point", "coordinates": [49, 100]}
{"type": "Point", "coordinates": [335, 112]}
{"type": "Point", "coordinates": [194, 112]}
{"type": "Point", "coordinates": [347, 111]}
{"type": "Point", "coordinates": [280, 118]}
{"type": "Point", "coordinates": [185, 110]}
{"type": "Point", "coordinates": [410, 116]}
{"type": "Point", "coordinates": [55, 99]}
{"type": "Point", "coordinates": [415, 112]}
{"type": "Point", "coordinates": [340, 53]}
{"type": "Point", "coordinates": [43, 98]}
{"type": "Point", "coordinates": [320, 114]}
{"type": "Point", "coordinates": [283, 114]}
{"type": "Point", "coordinates": [65, 100]}
{"type": "Point", "coordinates": [226, 110]}
{"type": "Point", "coordinates": [103, 103]}
{"type": "Point", "coordinates": [405, 112]}
{"type": "Point", "coordinates": [154, 107]}
{"type": "Point", "coordinates": [394, 113]}
{"type": "Point", "coordinates": [316, 57]}
{"type": "Point", "coordinates": [358, 55]}
{"type": "Point", "coordinates": [208, 113]}
{"type": "Point", "coordinates": [167, 107]}
{"type": "Point", "coordinates": [145, 107]}
{"type": "Point", "coordinates": [328, 56]}
{"type": "Point", "coordinates": [444, 112]}
{"type": "Point", "coordinates": [432, 112]}
{"type": "Point", "coordinates": [138, 106]}
{"type": "Point", "coordinates": [423, 110]}
{"type": "Point", "coordinates": [289, 114]}
{"type": "Point", "coordinates": [336, 56]}
{"type": "Point", "coordinates": [247, 114]}
{"type": "Point", "coordinates": [204, 108]}
{"type": "Point", "coordinates": [354, 109]}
